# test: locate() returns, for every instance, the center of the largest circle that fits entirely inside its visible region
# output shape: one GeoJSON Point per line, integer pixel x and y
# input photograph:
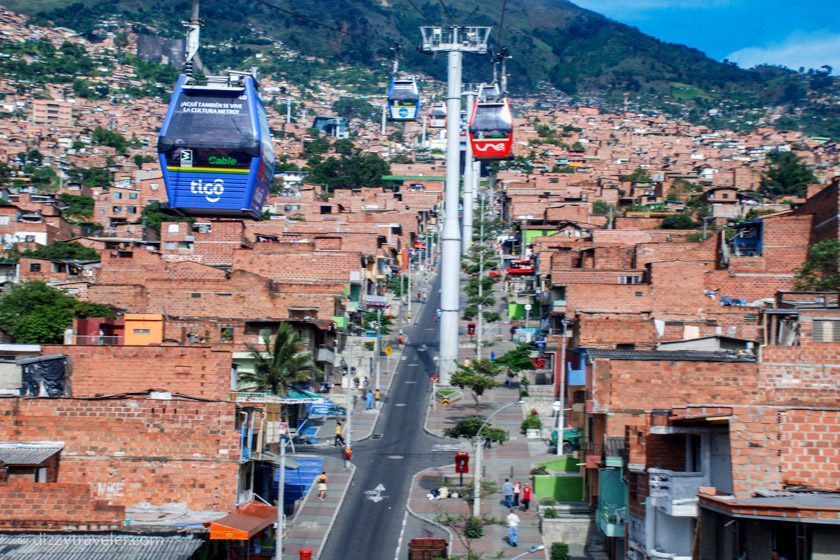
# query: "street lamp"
{"type": "Point", "coordinates": [561, 427]}
{"type": "Point", "coordinates": [533, 549]}
{"type": "Point", "coordinates": [478, 446]}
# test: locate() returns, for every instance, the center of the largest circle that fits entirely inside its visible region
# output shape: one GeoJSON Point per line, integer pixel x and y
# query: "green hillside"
{"type": "Point", "coordinates": [552, 42]}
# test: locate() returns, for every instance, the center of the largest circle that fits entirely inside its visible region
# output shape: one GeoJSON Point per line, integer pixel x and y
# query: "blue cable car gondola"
{"type": "Point", "coordinates": [403, 99]}
{"type": "Point", "coordinates": [215, 148]}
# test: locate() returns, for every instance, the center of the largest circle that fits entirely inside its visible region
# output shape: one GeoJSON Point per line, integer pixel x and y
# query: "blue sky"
{"type": "Point", "coordinates": [792, 33]}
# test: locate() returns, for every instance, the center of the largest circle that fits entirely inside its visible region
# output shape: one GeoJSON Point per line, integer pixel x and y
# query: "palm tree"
{"type": "Point", "coordinates": [280, 365]}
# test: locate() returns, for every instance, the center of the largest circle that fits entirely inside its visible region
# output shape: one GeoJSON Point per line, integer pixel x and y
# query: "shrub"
{"type": "Point", "coordinates": [531, 422]}
{"type": "Point", "coordinates": [559, 551]}
{"type": "Point", "coordinates": [550, 513]}
{"type": "Point", "coordinates": [541, 469]}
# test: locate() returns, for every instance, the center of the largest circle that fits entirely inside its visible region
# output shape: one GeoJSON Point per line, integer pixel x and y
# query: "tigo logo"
{"type": "Point", "coordinates": [212, 190]}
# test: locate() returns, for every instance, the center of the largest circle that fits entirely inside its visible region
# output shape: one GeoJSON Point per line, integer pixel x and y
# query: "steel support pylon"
{"type": "Point", "coordinates": [454, 40]}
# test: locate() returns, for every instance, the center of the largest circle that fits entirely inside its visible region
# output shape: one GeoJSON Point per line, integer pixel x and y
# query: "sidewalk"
{"type": "Point", "coordinates": [313, 519]}
{"type": "Point", "coordinates": [514, 460]}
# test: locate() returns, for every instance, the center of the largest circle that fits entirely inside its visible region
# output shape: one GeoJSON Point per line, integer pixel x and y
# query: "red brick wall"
{"type": "Point", "coordinates": [26, 505]}
{"type": "Point", "coordinates": [650, 252]}
{"type": "Point", "coordinates": [131, 298]}
{"type": "Point", "coordinates": [756, 450]}
{"type": "Point", "coordinates": [108, 370]}
{"type": "Point", "coordinates": [824, 206]}
{"type": "Point", "coordinates": [646, 385]}
{"type": "Point", "coordinates": [607, 331]}
{"type": "Point", "coordinates": [137, 450]}
{"type": "Point", "coordinates": [678, 286]}
{"type": "Point", "coordinates": [810, 443]}
{"type": "Point", "coordinates": [785, 244]}
{"type": "Point", "coordinates": [318, 265]}
{"type": "Point", "coordinates": [608, 298]}
{"type": "Point", "coordinates": [800, 375]}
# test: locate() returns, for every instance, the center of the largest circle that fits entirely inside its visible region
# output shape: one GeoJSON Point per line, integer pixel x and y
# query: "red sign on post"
{"type": "Point", "coordinates": [462, 462]}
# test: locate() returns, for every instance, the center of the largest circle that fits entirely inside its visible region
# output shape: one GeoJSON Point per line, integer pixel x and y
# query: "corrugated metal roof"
{"type": "Point", "coordinates": [45, 546]}
{"type": "Point", "coordinates": [28, 453]}
{"type": "Point", "coordinates": [667, 356]}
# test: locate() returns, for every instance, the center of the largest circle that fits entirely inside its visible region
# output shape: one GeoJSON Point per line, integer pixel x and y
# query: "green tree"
{"type": "Point", "coordinates": [821, 271]}
{"type": "Point", "coordinates": [479, 376]}
{"type": "Point", "coordinates": [79, 207]}
{"type": "Point", "coordinates": [344, 146]}
{"type": "Point", "coordinates": [44, 179]}
{"type": "Point", "coordinates": [786, 175]}
{"type": "Point", "coordinates": [64, 250]}
{"type": "Point", "coordinates": [91, 177]}
{"type": "Point", "coordinates": [678, 221]}
{"type": "Point", "coordinates": [602, 208]}
{"type": "Point", "coordinates": [112, 138]}
{"type": "Point", "coordinates": [467, 428]}
{"type": "Point", "coordinates": [153, 216]}
{"type": "Point", "coordinates": [350, 172]}
{"type": "Point", "coordinates": [280, 365]}
{"type": "Point", "coordinates": [35, 313]}
{"type": "Point", "coordinates": [369, 321]}
{"type": "Point", "coordinates": [638, 176]}
{"type": "Point", "coordinates": [519, 358]}
{"type": "Point", "coordinates": [353, 108]}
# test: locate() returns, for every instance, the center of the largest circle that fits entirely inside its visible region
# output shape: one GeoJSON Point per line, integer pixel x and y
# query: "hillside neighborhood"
{"type": "Point", "coordinates": [666, 281]}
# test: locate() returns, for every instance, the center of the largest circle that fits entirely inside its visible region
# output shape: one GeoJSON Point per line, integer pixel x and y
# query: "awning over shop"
{"type": "Point", "coordinates": [243, 523]}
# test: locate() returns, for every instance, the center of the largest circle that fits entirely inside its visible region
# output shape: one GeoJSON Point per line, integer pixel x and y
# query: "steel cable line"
{"type": "Point", "coordinates": [501, 23]}
{"type": "Point", "coordinates": [419, 11]}
{"type": "Point", "coordinates": [445, 10]}
{"type": "Point", "coordinates": [308, 20]}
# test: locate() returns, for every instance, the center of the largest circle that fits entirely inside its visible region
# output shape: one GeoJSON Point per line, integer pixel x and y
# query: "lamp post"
{"type": "Point", "coordinates": [533, 549]}
{"type": "Point", "coordinates": [478, 446]}
{"type": "Point", "coordinates": [278, 540]}
{"type": "Point", "coordinates": [561, 426]}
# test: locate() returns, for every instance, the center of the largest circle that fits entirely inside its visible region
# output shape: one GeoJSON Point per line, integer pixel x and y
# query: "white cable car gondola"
{"type": "Point", "coordinates": [403, 99]}
{"type": "Point", "coordinates": [437, 115]}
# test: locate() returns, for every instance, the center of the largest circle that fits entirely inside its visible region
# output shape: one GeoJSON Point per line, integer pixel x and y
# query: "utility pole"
{"type": "Point", "coordinates": [384, 117]}
{"type": "Point", "coordinates": [378, 345]}
{"type": "Point", "coordinates": [454, 40]}
{"type": "Point", "coordinates": [480, 321]}
{"type": "Point", "coordinates": [466, 239]}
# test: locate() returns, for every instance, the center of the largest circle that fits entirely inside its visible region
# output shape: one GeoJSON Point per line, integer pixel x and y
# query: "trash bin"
{"type": "Point", "coordinates": [305, 554]}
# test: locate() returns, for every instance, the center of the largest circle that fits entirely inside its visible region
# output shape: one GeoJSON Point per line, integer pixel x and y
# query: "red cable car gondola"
{"type": "Point", "coordinates": [491, 129]}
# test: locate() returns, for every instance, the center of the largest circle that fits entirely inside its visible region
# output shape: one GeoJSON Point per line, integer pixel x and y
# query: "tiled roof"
{"type": "Point", "coordinates": [666, 356]}
{"type": "Point", "coordinates": [28, 453]}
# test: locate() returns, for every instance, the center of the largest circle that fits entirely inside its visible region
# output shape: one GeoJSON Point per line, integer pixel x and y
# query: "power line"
{"type": "Point", "coordinates": [418, 10]}
{"type": "Point", "coordinates": [304, 18]}
{"type": "Point", "coordinates": [445, 10]}
{"type": "Point", "coordinates": [501, 23]}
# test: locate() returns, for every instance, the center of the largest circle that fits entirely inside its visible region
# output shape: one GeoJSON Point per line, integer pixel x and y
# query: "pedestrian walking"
{"type": "Point", "coordinates": [377, 396]}
{"type": "Point", "coordinates": [513, 528]}
{"type": "Point", "coordinates": [517, 489]}
{"type": "Point", "coordinates": [348, 456]}
{"type": "Point", "coordinates": [507, 492]}
{"type": "Point", "coordinates": [369, 400]}
{"type": "Point", "coordinates": [365, 382]}
{"type": "Point", "coordinates": [322, 486]}
{"type": "Point", "coordinates": [339, 438]}
{"type": "Point", "coordinates": [526, 497]}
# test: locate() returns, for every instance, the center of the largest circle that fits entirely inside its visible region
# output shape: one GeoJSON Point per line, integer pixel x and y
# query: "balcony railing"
{"type": "Point", "coordinates": [96, 340]}
{"type": "Point", "coordinates": [611, 519]}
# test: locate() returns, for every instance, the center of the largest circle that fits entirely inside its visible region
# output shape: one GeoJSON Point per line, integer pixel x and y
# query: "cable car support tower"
{"type": "Point", "coordinates": [454, 40]}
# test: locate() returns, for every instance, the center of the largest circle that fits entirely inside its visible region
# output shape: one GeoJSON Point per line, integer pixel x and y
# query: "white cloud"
{"type": "Point", "coordinates": [810, 50]}
{"type": "Point", "coordinates": [613, 8]}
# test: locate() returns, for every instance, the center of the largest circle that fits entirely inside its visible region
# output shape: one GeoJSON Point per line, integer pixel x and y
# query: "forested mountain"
{"type": "Point", "coordinates": [551, 41]}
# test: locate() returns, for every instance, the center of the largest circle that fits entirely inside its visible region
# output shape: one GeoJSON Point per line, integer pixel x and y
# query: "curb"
{"type": "Point", "coordinates": [420, 517]}
{"type": "Point", "coordinates": [335, 512]}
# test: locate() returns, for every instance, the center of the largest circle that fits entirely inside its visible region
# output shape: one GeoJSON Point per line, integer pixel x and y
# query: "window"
{"type": "Point", "coordinates": [41, 474]}
{"type": "Point", "coordinates": [170, 245]}
{"type": "Point", "coordinates": [34, 267]}
{"type": "Point", "coordinates": [142, 331]}
{"type": "Point", "coordinates": [629, 279]}
{"type": "Point", "coordinates": [4, 220]}
{"type": "Point", "coordinates": [117, 209]}
{"type": "Point", "coordinates": [226, 334]}
{"type": "Point", "coordinates": [132, 196]}
{"type": "Point", "coordinates": [826, 330]}
{"type": "Point", "coordinates": [117, 196]}
{"type": "Point", "coordinates": [102, 212]}
{"type": "Point", "coordinates": [185, 245]}
{"type": "Point", "coordinates": [132, 209]}
{"type": "Point", "coordinates": [174, 228]}
{"type": "Point", "coordinates": [724, 195]}
{"type": "Point", "coordinates": [195, 295]}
